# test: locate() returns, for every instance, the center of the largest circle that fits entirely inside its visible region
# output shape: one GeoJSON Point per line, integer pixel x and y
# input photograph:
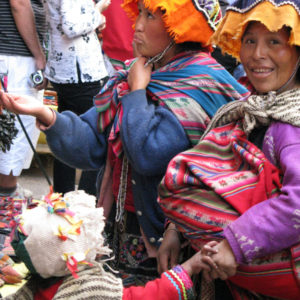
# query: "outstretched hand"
{"type": "Point", "coordinates": [26, 105]}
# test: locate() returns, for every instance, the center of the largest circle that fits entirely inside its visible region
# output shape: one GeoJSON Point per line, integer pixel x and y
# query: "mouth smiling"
{"type": "Point", "coordinates": [261, 72]}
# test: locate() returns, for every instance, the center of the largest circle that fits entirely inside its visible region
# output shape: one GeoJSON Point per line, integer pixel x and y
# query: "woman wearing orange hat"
{"type": "Point", "coordinates": [241, 184]}
{"type": "Point", "coordinates": [154, 107]}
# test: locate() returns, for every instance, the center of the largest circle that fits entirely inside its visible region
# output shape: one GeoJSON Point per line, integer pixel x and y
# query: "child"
{"type": "Point", "coordinates": [61, 241]}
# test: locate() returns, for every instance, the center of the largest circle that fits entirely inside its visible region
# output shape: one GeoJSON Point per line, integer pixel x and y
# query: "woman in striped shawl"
{"type": "Point", "coordinates": [241, 184]}
{"type": "Point", "coordinates": [153, 108]}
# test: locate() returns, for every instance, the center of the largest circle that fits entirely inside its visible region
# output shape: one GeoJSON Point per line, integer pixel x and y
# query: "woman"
{"type": "Point", "coordinates": [143, 117]}
{"type": "Point", "coordinates": [75, 67]}
{"type": "Point", "coordinates": [241, 183]}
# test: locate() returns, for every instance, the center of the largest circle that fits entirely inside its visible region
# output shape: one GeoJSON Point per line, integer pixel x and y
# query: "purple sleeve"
{"type": "Point", "coordinates": [274, 224]}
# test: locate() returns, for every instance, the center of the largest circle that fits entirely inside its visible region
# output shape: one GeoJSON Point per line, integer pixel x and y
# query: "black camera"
{"type": "Point", "coordinates": [37, 77]}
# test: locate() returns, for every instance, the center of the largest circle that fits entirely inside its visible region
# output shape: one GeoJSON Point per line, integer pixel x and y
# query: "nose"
{"type": "Point", "coordinates": [139, 24]}
{"type": "Point", "coordinates": [259, 51]}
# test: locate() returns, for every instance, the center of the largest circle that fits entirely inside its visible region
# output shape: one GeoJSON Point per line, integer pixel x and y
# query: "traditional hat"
{"type": "Point", "coordinates": [61, 236]}
{"type": "Point", "coordinates": [274, 14]}
{"type": "Point", "coordinates": [185, 20]}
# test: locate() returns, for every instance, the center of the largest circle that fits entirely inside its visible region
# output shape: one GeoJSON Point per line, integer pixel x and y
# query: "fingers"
{"type": "Point", "coordinates": [209, 261]}
{"type": "Point", "coordinates": [5, 99]}
{"type": "Point", "coordinates": [212, 244]}
{"type": "Point", "coordinates": [208, 249]}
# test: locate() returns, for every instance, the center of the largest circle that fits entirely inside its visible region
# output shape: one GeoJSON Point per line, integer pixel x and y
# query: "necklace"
{"type": "Point", "coordinates": [160, 55]}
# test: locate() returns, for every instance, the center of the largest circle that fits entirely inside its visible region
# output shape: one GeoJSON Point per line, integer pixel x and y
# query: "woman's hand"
{"type": "Point", "coordinates": [139, 76]}
{"type": "Point", "coordinates": [102, 5]}
{"type": "Point", "coordinates": [102, 26]}
{"type": "Point", "coordinates": [225, 260]}
{"type": "Point", "coordinates": [26, 105]}
{"type": "Point", "coordinates": [168, 252]}
{"type": "Point", "coordinates": [43, 85]}
{"type": "Point", "coordinates": [201, 261]}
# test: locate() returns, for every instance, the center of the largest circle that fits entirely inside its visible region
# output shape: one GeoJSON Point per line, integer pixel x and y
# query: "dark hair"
{"type": "Point", "coordinates": [190, 46]}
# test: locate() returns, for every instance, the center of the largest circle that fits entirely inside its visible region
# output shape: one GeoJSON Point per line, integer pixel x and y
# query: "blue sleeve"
{"type": "Point", "coordinates": [76, 141]}
{"type": "Point", "coordinates": [151, 134]}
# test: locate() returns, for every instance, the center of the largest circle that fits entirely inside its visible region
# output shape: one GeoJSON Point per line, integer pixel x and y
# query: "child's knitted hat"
{"type": "Point", "coordinates": [61, 236]}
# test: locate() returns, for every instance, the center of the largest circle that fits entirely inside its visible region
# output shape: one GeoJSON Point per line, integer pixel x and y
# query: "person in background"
{"type": "Point", "coordinates": [117, 36]}
{"type": "Point", "coordinates": [229, 62]}
{"type": "Point", "coordinates": [22, 27]}
{"type": "Point", "coordinates": [75, 68]}
{"type": "Point", "coordinates": [156, 106]}
{"type": "Point", "coordinates": [241, 184]}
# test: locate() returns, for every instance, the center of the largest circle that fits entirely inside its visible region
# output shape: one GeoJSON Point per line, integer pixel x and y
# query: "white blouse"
{"type": "Point", "coordinates": [72, 40]}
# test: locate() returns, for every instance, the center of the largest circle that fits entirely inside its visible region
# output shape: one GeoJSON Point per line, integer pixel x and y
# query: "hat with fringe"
{"type": "Point", "coordinates": [61, 236]}
{"type": "Point", "coordinates": [274, 14]}
{"type": "Point", "coordinates": [185, 20]}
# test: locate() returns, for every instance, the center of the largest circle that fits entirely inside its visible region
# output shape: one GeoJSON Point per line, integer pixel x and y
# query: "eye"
{"type": "Point", "coordinates": [149, 15]}
{"type": "Point", "coordinates": [248, 41]}
{"type": "Point", "coordinates": [274, 42]}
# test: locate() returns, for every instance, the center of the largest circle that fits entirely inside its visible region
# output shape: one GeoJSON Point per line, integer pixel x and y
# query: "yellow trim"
{"type": "Point", "coordinates": [231, 29]}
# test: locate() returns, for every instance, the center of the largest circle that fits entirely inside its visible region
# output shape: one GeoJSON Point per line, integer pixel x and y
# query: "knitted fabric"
{"type": "Point", "coordinates": [93, 283]}
{"type": "Point", "coordinates": [274, 14]}
{"type": "Point", "coordinates": [185, 20]}
{"type": "Point", "coordinates": [260, 110]}
{"type": "Point", "coordinates": [60, 237]}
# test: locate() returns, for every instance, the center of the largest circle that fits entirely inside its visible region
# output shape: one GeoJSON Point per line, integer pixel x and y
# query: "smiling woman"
{"type": "Point", "coordinates": [240, 185]}
{"type": "Point", "coordinates": [268, 59]}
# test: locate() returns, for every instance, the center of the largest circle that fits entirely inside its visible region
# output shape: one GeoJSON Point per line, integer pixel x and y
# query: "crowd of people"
{"type": "Point", "coordinates": [196, 172]}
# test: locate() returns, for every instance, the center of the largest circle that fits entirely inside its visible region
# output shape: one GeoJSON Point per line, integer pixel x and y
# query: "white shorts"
{"type": "Point", "coordinates": [18, 70]}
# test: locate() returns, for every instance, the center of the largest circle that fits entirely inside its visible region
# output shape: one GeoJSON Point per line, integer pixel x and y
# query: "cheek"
{"type": "Point", "coordinates": [286, 61]}
{"type": "Point", "coordinates": [157, 34]}
{"type": "Point", "coordinates": [244, 56]}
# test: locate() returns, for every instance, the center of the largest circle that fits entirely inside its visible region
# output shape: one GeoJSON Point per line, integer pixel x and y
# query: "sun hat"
{"type": "Point", "coordinates": [61, 236]}
{"type": "Point", "coordinates": [185, 20]}
{"type": "Point", "coordinates": [274, 14]}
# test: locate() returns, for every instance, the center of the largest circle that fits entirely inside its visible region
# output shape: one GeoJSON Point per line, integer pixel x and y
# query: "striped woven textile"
{"type": "Point", "coordinates": [202, 191]}
{"type": "Point", "coordinates": [193, 86]}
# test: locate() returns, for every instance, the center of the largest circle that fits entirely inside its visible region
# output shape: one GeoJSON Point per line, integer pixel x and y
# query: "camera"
{"type": "Point", "coordinates": [37, 77]}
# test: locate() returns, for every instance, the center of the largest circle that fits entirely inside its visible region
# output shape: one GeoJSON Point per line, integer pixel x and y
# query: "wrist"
{"type": "Point", "coordinates": [40, 61]}
{"type": "Point", "coordinates": [187, 268]}
{"type": "Point", "coordinates": [45, 116]}
{"type": "Point", "coordinates": [135, 88]}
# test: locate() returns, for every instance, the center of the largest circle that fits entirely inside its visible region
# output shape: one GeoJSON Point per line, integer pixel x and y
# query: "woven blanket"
{"type": "Point", "coordinates": [193, 86]}
{"type": "Point", "coordinates": [211, 185]}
